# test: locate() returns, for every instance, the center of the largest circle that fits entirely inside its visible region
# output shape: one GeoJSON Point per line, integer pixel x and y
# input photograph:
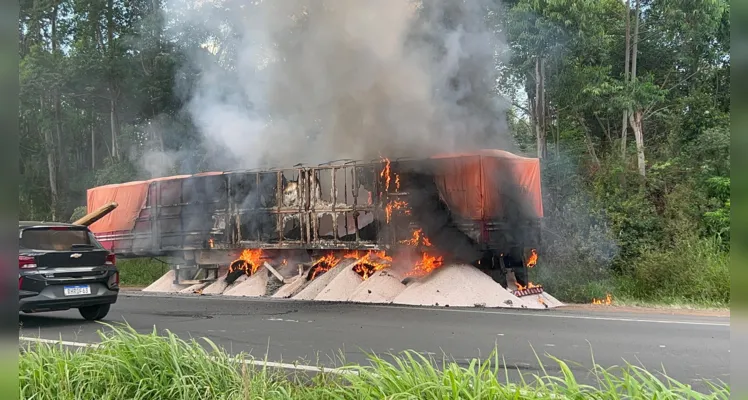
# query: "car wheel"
{"type": "Point", "coordinates": [95, 313]}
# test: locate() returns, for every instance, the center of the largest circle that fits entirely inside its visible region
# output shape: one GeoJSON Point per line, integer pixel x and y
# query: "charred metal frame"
{"type": "Point", "coordinates": [245, 209]}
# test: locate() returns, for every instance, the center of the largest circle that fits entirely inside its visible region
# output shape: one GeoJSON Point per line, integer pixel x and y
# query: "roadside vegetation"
{"type": "Point", "coordinates": [128, 365]}
{"type": "Point", "coordinates": [140, 272]}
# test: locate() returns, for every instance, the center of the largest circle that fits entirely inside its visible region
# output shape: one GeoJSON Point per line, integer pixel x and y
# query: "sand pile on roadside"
{"type": "Point", "coordinates": [341, 287]}
{"type": "Point", "coordinates": [291, 288]}
{"type": "Point", "coordinates": [196, 288]}
{"type": "Point", "coordinates": [317, 285]}
{"type": "Point", "coordinates": [220, 285]}
{"type": "Point", "coordinates": [457, 286]}
{"type": "Point", "coordinates": [382, 287]}
{"type": "Point", "coordinates": [253, 286]}
{"type": "Point", "coordinates": [289, 272]}
{"type": "Point", "coordinates": [165, 284]}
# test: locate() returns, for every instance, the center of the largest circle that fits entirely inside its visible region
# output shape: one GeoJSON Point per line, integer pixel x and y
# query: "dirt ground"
{"type": "Point", "coordinates": [668, 310]}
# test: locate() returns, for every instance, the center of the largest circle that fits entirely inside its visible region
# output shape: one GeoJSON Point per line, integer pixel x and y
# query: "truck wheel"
{"type": "Point", "coordinates": [95, 313]}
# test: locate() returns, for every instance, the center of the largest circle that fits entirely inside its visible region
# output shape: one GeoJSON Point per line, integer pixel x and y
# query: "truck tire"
{"type": "Point", "coordinates": [95, 313]}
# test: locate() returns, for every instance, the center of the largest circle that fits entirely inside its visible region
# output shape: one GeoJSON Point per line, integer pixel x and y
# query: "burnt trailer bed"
{"type": "Point", "coordinates": [490, 198]}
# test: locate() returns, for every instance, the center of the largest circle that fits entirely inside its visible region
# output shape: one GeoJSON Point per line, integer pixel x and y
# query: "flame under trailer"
{"type": "Point", "coordinates": [482, 208]}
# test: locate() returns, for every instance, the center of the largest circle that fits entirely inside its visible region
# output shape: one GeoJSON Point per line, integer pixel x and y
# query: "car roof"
{"type": "Point", "coordinates": [30, 224]}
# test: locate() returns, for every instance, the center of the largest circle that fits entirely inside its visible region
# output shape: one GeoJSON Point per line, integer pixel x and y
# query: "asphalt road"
{"type": "Point", "coordinates": [690, 348]}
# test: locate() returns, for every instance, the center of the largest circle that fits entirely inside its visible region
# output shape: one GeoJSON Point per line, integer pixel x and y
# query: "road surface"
{"type": "Point", "coordinates": [690, 347]}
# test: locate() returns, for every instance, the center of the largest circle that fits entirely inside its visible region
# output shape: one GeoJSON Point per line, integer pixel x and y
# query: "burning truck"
{"type": "Point", "coordinates": [406, 219]}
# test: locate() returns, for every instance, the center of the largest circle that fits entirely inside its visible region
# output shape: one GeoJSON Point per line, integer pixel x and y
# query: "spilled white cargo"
{"type": "Point", "coordinates": [449, 286]}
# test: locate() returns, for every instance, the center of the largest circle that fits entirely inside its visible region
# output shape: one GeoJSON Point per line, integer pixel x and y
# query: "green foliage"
{"type": "Point", "coordinates": [130, 365]}
{"type": "Point", "coordinates": [115, 171]}
{"type": "Point", "coordinates": [78, 213]}
{"type": "Point", "coordinates": [140, 272]}
{"type": "Point", "coordinates": [692, 271]}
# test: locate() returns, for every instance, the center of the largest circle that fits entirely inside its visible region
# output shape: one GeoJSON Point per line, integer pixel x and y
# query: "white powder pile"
{"type": "Point", "coordinates": [194, 288]}
{"type": "Point", "coordinates": [457, 286]}
{"type": "Point", "coordinates": [316, 286]}
{"type": "Point", "coordinates": [165, 284]}
{"type": "Point", "coordinates": [291, 288]}
{"type": "Point", "coordinates": [220, 285]}
{"type": "Point", "coordinates": [382, 287]}
{"type": "Point", "coordinates": [255, 285]}
{"type": "Point", "coordinates": [341, 287]}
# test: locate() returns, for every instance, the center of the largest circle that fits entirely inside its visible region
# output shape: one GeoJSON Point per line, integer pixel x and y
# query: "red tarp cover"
{"type": "Point", "coordinates": [130, 197]}
{"type": "Point", "coordinates": [470, 182]}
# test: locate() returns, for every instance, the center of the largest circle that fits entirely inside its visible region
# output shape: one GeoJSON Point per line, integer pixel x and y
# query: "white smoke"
{"type": "Point", "coordinates": [317, 80]}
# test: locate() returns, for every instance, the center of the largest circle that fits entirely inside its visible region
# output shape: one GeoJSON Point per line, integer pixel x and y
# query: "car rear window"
{"type": "Point", "coordinates": [59, 239]}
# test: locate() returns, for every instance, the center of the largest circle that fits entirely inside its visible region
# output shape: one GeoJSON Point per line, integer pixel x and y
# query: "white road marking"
{"type": "Point", "coordinates": [545, 314]}
{"type": "Point", "coordinates": [257, 363]}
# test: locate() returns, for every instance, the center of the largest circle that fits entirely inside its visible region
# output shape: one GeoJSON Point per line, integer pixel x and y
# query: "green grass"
{"type": "Point", "coordinates": [140, 271]}
{"type": "Point", "coordinates": [694, 272]}
{"type": "Point", "coordinates": [128, 365]}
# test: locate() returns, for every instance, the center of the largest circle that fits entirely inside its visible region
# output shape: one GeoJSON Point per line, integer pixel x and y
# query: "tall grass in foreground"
{"type": "Point", "coordinates": [128, 365]}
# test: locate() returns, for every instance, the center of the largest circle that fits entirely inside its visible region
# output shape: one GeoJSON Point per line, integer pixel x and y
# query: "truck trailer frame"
{"type": "Point", "coordinates": [205, 220]}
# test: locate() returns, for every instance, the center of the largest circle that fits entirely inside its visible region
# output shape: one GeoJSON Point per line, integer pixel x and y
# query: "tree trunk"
{"type": "Point", "coordinates": [51, 166]}
{"type": "Point", "coordinates": [114, 124]}
{"type": "Point", "coordinates": [635, 117]}
{"type": "Point", "coordinates": [56, 97]}
{"type": "Point", "coordinates": [624, 129]}
{"type": "Point", "coordinates": [588, 141]}
{"type": "Point", "coordinates": [636, 125]}
{"type": "Point", "coordinates": [540, 133]}
{"type": "Point", "coordinates": [93, 140]}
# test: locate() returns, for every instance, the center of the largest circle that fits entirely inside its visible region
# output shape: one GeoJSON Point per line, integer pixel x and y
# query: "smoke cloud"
{"type": "Point", "coordinates": [309, 81]}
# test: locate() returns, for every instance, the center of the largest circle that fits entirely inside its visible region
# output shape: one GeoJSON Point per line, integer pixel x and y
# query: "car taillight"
{"type": "Point", "coordinates": [20, 282]}
{"type": "Point", "coordinates": [25, 262]}
{"type": "Point", "coordinates": [113, 281]}
{"type": "Point", "coordinates": [111, 259]}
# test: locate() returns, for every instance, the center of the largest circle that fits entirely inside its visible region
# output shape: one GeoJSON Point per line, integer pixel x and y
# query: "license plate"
{"type": "Point", "coordinates": [77, 290]}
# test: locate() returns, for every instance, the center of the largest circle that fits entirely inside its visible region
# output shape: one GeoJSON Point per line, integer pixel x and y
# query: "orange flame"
{"type": "Point", "coordinates": [607, 301]}
{"type": "Point", "coordinates": [417, 239]}
{"type": "Point", "coordinates": [211, 243]}
{"type": "Point", "coordinates": [249, 261]}
{"type": "Point", "coordinates": [386, 174]}
{"type": "Point", "coordinates": [530, 285]}
{"type": "Point", "coordinates": [533, 260]}
{"type": "Point", "coordinates": [426, 265]}
{"type": "Point", "coordinates": [323, 265]}
{"type": "Point", "coordinates": [370, 262]}
{"type": "Point", "coordinates": [395, 205]}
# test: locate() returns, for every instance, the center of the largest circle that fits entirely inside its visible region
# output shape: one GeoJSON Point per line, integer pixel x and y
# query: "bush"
{"type": "Point", "coordinates": [140, 271]}
{"type": "Point", "coordinates": [692, 271]}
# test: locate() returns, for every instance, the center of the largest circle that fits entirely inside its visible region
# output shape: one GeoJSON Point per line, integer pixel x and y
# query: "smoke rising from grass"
{"type": "Point", "coordinates": [315, 80]}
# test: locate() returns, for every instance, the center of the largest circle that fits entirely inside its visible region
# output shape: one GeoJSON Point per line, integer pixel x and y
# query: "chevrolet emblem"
{"type": "Point", "coordinates": [76, 255]}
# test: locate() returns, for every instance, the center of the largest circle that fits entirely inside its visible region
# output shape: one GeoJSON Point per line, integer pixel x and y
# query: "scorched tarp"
{"type": "Point", "coordinates": [478, 185]}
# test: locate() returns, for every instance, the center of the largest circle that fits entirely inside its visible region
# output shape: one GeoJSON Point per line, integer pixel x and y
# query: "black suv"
{"type": "Point", "coordinates": [62, 266]}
